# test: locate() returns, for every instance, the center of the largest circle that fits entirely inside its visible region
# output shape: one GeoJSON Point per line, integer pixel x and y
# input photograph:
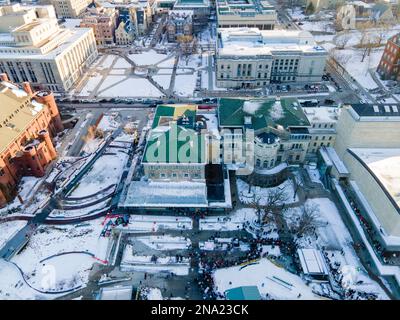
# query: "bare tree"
{"type": "Point", "coordinates": [306, 222]}
{"type": "Point", "coordinates": [339, 56]}
{"type": "Point", "coordinates": [342, 40]}
{"type": "Point", "coordinates": [270, 208]}
{"type": "Point", "coordinates": [382, 31]}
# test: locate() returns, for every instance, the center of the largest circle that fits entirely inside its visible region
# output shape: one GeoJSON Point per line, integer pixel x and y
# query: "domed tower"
{"type": "Point", "coordinates": [45, 136]}
{"type": "Point", "coordinates": [47, 98]}
{"type": "Point", "coordinates": [266, 145]}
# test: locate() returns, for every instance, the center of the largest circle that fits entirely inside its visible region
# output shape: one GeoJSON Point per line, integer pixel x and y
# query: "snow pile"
{"type": "Point", "coordinates": [270, 279]}
{"type": "Point", "coordinates": [251, 107]}
{"type": "Point", "coordinates": [276, 111]}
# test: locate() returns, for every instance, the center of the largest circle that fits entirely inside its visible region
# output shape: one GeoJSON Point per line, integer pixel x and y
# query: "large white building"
{"type": "Point", "coordinates": [246, 13]}
{"type": "Point", "coordinates": [366, 163]}
{"type": "Point", "coordinates": [323, 126]}
{"type": "Point", "coordinates": [70, 9]}
{"type": "Point", "coordinates": [34, 48]}
{"type": "Point", "coordinates": [249, 57]}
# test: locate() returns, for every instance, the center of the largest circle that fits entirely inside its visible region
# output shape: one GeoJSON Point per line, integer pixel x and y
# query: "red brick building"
{"type": "Point", "coordinates": [28, 121]}
{"type": "Point", "coordinates": [389, 66]}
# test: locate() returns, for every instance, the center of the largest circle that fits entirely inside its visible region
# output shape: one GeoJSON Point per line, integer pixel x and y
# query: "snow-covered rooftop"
{"type": "Point", "coordinates": [166, 194]}
{"type": "Point", "coordinates": [385, 165]}
{"type": "Point", "coordinates": [321, 114]}
{"type": "Point", "coordinates": [252, 41]}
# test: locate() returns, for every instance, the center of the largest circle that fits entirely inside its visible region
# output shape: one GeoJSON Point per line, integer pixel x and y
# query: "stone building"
{"type": "Point", "coordinates": [323, 127]}
{"type": "Point", "coordinates": [248, 13]}
{"type": "Point", "coordinates": [69, 9]}
{"type": "Point", "coordinates": [179, 23]}
{"type": "Point", "coordinates": [281, 131]}
{"type": "Point", "coordinates": [389, 66]}
{"type": "Point", "coordinates": [34, 48]}
{"type": "Point", "coordinates": [364, 169]}
{"type": "Point", "coordinates": [103, 21]}
{"type": "Point", "coordinates": [28, 121]}
{"type": "Point", "coordinates": [179, 169]}
{"type": "Point", "coordinates": [124, 34]}
{"type": "Point", "coordinates": [249, 58]}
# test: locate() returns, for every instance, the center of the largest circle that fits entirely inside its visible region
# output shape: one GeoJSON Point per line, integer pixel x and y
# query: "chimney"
{"type": "Point", "coordinates": [4, 77]}
{"type": "Point", "coordinates": [27, 87]}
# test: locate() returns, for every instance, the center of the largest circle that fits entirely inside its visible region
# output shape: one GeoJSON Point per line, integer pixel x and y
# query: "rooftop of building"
{"type": "Point", "coordinates": [180, 13]}
{"type": "Point", "coordinates": [395, 39]}
{"type": "Point", "coordinates": [264, 113]}
{"type": "Point", "coordinates": [192, 3]}
{"type": "Point", "coordinates": [177, 126]}
{"type": "Point", "coordinates": [243, 293]}
{"type": "Point", "coordinates": [377, 110]}
{"type": "Point", "coordinates": [116, 293]}
{"type": "Point", "coordinates": [252, 41]}
{"type": "Point", "coordinates": [244, 7]}
{"type": "Point", "coordinates": [321, 114]}
{"type": "Point", "coordinates": [71, 36]}
{"type": "Point", "coordinates": [17, 112]}
{"type": "Point", "coordinates": [384, 165]}
{"type": "Point", "coordinates": [267, 137]}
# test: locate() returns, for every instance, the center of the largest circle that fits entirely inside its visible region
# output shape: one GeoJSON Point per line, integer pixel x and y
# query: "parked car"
{"type": "Point", "coordinates": [329, 101]}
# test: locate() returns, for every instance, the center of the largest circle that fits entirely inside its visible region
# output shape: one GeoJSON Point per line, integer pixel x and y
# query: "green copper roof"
{"type": "Point", "coordinates": [172, 140]}
{"type": "Point", "coordinates": [243, 293]}
{"type": "Point", "coordinates": [264, 112]}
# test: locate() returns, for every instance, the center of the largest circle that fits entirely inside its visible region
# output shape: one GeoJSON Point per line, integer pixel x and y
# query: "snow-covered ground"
{"type": "Point", "coordinates": [27, 188]}
{"type": "Point", "coordinates": [105, 172]}
{"type": "Point", "coordinates": [163, 80]}
{"type": "Point", "coordinates": [154, 223]}
{"type": "Point", "coordinates": [334, 237]}
{"type": "Point", "coordinates": [262, 193]}
{"type": "Point", "coordinates": [9, 229]}
{"type": "Point", "coordinates": [147, 58]}
{"type": "Point", "coordinates": [165, 242]}
{"type": "Point", "coordinates": [351, 60]}
{"type": "Point", "coordinates": [185, 84]}
{"type": "Point", "coordinates": [242, 218]}
{"type": "Point", "coordinates": [269, 278]}
{"type": "Point", "coordinates": [322, 22]}
{"type": "Point", "coordinates": [59, 272]}
{"type": "Point", "coordinates": [234, 221]}
{"type": "Point", "coordinates": [192, 61]}
{"type": "Point", "coordinates": [91, 84]}
{"type": "Point", "coordinates": [132, 262]}
{"type": "Point", "coordinates": [313, 173]}
{"type": "Point", "coordinates": [122, 86]}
